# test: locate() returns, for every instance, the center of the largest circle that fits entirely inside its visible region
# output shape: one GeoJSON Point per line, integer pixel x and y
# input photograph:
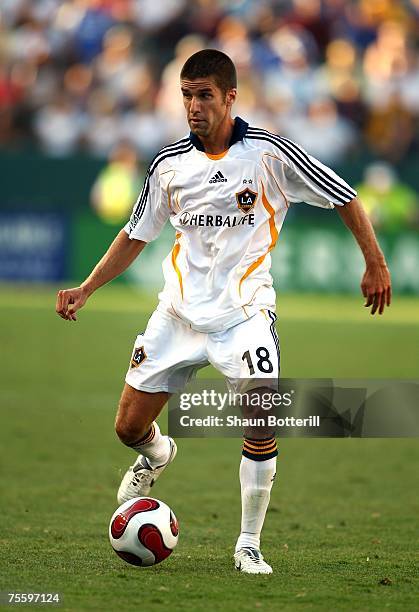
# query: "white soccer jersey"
{"type": "Point", "coordinates": [227, 211]}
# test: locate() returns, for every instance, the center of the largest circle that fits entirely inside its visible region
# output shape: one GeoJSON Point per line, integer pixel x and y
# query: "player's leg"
{"type": "Point", "coordinates": [136, 425]}
{"type": "Point", "coordinates": [137, 428]}
{"type": "Point", "coordinates": [135, 420]}
{"type": "Point", "coordinates": [157, 366]}
{"type": "Point", "coordinates": [248, 354]}
{"type": "Point", "coordinates": [257, 473]}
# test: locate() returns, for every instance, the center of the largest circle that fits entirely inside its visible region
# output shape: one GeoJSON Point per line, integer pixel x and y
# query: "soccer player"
{"type": "Point", "coordinates": [226, 188]}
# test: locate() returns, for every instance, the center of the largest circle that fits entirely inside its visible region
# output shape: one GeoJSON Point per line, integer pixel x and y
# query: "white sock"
{"type": "Point", "coordinates": [256, 480]}
{"type": "Point", "coordinates": [154, 446]}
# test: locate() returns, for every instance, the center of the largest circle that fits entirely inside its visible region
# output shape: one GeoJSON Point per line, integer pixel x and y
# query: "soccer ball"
{"type": "Point", "coordinates": [143, 531]}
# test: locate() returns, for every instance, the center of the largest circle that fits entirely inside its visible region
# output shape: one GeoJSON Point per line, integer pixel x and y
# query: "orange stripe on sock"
{"type": "Point", "coordinates": [264, 452]}
{"type": "Point", "coordinates": [256, 449]}
{"type": "Point", "coordinates": [257, 454]}
{"type": "Point", "coordinates": [251, 444]}
{"type": "Point", "coordinates": [259, 441]}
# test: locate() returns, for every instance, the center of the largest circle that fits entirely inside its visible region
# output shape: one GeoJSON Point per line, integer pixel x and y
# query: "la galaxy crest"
{"type": "Point", "coordinates": [246, 199]}
{"type": "Point", "coordinates": [138, 356]}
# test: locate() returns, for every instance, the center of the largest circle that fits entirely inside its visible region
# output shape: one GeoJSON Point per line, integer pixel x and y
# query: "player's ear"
{"type": "Point", "coordinates": [231, 96]}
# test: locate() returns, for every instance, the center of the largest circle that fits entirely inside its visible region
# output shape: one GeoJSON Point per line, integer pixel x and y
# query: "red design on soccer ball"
{"type": "Point", "coordinates": [174, 525]}
{"type": "Point", "coordinates": [152, 539]}
{"type": "Point", "coordinates": [120, 522]}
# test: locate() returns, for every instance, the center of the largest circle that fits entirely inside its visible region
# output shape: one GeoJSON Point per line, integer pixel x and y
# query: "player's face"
{"type": "Point", "coordinates": [206, 105]}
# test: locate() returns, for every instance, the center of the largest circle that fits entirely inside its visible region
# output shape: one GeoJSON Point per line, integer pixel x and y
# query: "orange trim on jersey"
{"type": "Point", "coordinates": [274, 237]}
{"type": "Point", "coordinates": [254, 293]}
{"type": "Point", "coordinates": [169, 197]}
{"type": "Point", "coordinates": [177, 200]}
{"type": "Point", "coordinates": [244, 310]}
{"type": "Point", "coordinates": [218, 155]}
{"type": "Point", "coordinates": [174, 311]}
{"type": "Point", "coordinates": [175, 253]}
{"type": "Point", "coordinates": [264, 313]}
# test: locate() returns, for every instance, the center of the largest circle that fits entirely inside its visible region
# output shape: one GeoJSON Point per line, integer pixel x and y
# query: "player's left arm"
{"type": "Point", "coordinates": [376, 281]}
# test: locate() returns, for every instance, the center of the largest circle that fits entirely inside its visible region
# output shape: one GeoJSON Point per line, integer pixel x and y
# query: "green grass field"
{"type": "Point", "coordinates": [343, 515]}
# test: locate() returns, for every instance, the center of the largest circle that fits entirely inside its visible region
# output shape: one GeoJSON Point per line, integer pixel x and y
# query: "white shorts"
{"type": "Point", "coordinates": [169, 353]}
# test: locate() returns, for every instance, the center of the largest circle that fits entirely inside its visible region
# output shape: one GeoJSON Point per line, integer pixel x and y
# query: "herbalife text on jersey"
{"type": "Point", "coordinates": [208, 220]}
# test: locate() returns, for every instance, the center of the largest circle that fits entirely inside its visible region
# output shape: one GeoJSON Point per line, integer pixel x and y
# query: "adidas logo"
{"type": "Point", "coordinates": [218, 178]}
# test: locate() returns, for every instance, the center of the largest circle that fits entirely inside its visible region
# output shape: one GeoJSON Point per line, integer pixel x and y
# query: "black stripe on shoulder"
{"type": "Point", "coordinates": [169, 151]}
{"type": "Point", "coordinates": [304, 155]}
{"type": "Point", "coordinates": [143, 195]}
{"type": "Point", "coordinates": [171, 146]}
{"type": "Point", "coordinates": [335, 189]}
{"type": "Point", "coordinates": [301, 160]}
{"type": "Point", "coordinates": [294, 148]}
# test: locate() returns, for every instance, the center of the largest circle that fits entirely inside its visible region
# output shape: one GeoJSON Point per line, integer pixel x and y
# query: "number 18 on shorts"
{"type": "Point", "coordinates": [169, 353]}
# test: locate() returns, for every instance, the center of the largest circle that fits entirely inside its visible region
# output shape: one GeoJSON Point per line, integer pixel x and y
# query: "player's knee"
{"type": "Point", "coordinates": [129, 432]}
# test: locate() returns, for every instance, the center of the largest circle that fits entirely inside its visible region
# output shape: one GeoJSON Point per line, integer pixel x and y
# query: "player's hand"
{"type": "Point", "coordinates": [376, 287]}
{"type": "Point", "coordinates": [69, 301]}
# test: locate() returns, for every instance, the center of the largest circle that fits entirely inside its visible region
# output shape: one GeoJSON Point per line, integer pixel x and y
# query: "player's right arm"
{"type": "Point", "coordinates": [150, 213]}
{"type": "Point", "coordinates": [117, 258]}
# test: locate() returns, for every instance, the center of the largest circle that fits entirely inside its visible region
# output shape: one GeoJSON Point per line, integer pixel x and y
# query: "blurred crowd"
{"type": "Point", "coordinates": [88, 75]}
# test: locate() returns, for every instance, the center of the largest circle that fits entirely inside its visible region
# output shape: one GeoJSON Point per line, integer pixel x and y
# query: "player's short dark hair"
{"type": "Point", "coordinates": [210, 62]}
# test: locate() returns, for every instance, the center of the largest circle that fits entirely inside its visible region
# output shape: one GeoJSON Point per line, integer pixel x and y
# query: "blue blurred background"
{"type": "Point", "coordinates": [89, 91]}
